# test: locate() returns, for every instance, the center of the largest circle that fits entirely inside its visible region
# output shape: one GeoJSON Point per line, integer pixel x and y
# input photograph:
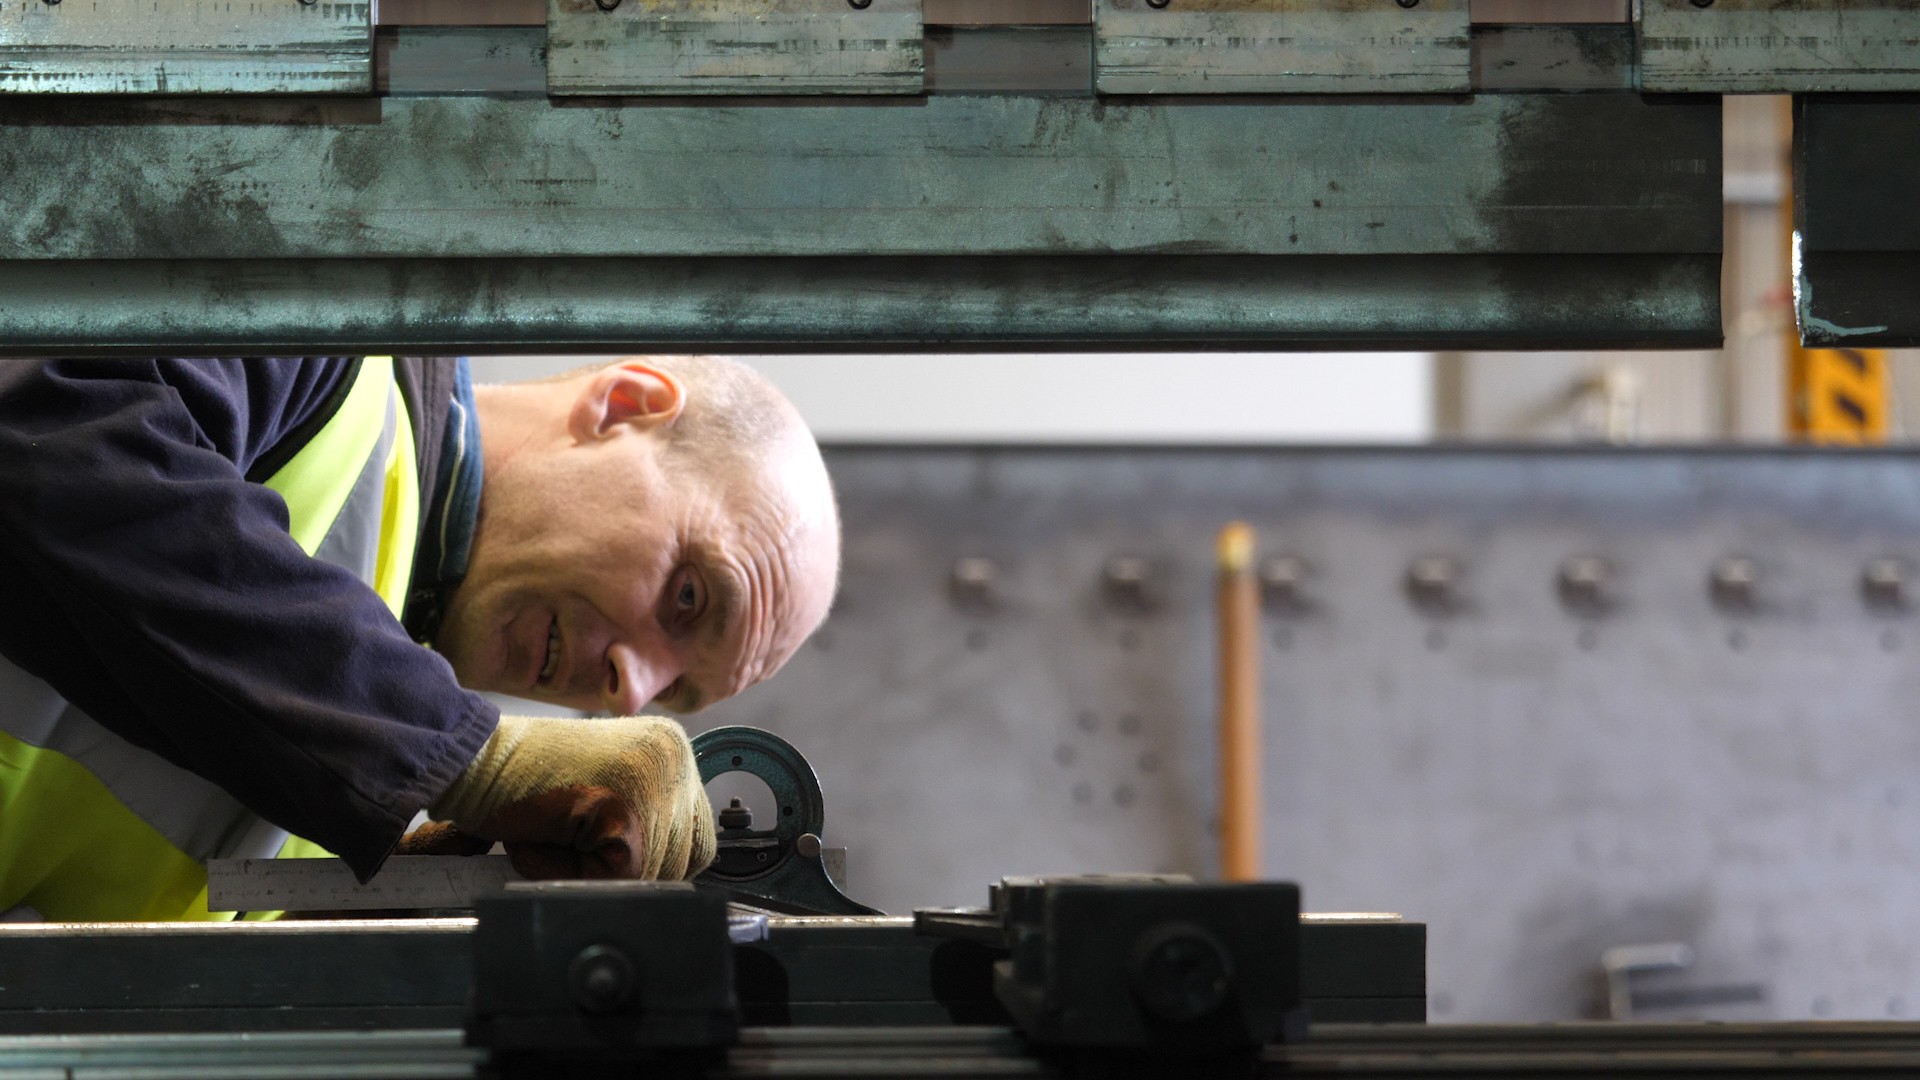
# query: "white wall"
{"type": "Point", "coordinates": [1154, 397]}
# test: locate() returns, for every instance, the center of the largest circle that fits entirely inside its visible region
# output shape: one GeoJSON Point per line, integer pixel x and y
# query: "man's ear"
{"type": "Point", "coordinates": [632, 392]}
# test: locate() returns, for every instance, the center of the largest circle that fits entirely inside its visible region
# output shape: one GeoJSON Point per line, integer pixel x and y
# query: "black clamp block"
{"type": "Point", "coordinates": [603, 978]}
{"type": "Point", "coordinates": [1112, 967]}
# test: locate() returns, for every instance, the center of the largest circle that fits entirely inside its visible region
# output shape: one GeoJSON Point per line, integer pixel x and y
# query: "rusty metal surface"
{"type": "Point", "coordinates": [1779, 46]}
{"type": "Point", "coordinates": [183, 47]}
{"type": "Point", "coordinates": [1007, 12]}
{"type": "Point", "coordinates": [1009, 59]}
{"type": "Point", "coordinates": [1280, 46]}
{"type": "Point", "coordinates": [499, 61]}
{"type": "Point", "coordinates": [462, 13]}
{"type": "Point", "coordinates": [1597, 56]}
{"type": "Point", "coordinates": [1034, 59]}
{"type": "Point", "coordinates": [750, 47]}
{"type": "Point", "coordinates": [1496, 12]}
{"type": "Point", "coordinates": [936, 12]}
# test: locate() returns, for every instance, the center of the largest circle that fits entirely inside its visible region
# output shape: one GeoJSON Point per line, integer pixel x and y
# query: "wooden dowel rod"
{"type": "Point", "coordinates": [1239, 605]}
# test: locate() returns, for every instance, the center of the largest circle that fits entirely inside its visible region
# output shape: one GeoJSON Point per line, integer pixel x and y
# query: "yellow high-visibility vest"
{"type": "Point", "coordinates": [93, 828]}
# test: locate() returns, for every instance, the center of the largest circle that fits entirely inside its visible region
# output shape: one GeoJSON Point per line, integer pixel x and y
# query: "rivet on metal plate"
{"type": "Point", "coordinates": [1734, 583]}
{"type": "Point", "coordinates": [1434, 583]}
{"type": "Point", "coordinates": [1282, 584]}
{"type": "Point", "coordinates": [1884, 582]}
{"type": "Point", "coordinates": [971, 582]}
{"type": "Point", "coordinates": [1586, 584]}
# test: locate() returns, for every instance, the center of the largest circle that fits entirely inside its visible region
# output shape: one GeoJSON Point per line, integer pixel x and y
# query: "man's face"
{"type": "Point", "coordinates": [603, 579]}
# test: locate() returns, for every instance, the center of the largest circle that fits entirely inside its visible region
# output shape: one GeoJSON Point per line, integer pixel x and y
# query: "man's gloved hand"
{"type": "Point", "coordinates": [587, 798]}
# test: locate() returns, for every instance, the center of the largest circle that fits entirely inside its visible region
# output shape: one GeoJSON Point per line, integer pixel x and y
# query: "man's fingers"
{"type": "Point", "coordinates": [599, 832]}
{"type": "Point", "coordinates": [704, 844]}
{"type": "Point", "coordinates": [441, 838]}
{"type": "Point", "coordinates": [610, 839]}
{"type": "Point", "coordinates": [542, 862]}
{"type": "Point", "coordinates": [545, 862]}
{"type": "Point", "coordinates": [564, 816]}
{"type": "Point", "coordinates": [572, 832]}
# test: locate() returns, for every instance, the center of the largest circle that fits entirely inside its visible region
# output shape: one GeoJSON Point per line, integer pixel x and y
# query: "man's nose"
{"type": "Point", "coordinates": [635, 676]}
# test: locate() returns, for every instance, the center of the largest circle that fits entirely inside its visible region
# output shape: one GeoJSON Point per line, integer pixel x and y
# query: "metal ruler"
{"type": "Point", "coordinates": [404, 882]}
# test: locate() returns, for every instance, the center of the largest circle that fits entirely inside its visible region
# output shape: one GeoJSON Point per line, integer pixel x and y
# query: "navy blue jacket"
{"type": "Point", "coordinates": [154, 586]}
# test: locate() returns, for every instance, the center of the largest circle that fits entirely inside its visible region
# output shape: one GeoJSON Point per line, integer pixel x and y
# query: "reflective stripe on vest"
{"type": "Point", "coordinates": [95, 828]}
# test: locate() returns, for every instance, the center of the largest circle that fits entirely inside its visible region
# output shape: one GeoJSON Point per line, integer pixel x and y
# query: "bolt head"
{"type": "Point", "coordinates": [601, 979]}
{"type": "Point", "coordinates": [971, 581]}
{"type": "Point", "coordinates": [1735, 583]}
{"type": "Point", "coordinates": [1283, 582]}
{"type": "Point", "coordinates": [1180, 972]}
{"type": "Point", "coordinates": [1127, 579]}
{"type": "Point", "coordinates": [1434, 582]}
{"type": "Point", "coordinates": [736, 815]}
{"type": "Point", "coordinates": [1585, 581]}
{"type": "Point", "coordinates": [1884, 581]}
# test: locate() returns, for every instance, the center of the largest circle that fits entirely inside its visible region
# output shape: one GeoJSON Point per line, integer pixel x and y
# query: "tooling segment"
{"type": "Point", "coordinates": [507, 224]}
{"type": "Point", "coordinates": [474, 177]}
{"type": "Point", "coordinates": [475, 306]}
{"type": "Point", "coordinates": [1856, 223]}
{"type": "Point", "coordinates": [1779, 46]}
{"type": "Point", "coordinates": [185, 47]}
{"type": "Point", "coordinates": [748, 47]}
{"type": "Point", "coordinates": [1280, 46]}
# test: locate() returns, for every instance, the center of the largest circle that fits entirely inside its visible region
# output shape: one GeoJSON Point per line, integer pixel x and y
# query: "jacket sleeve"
{"type": "Point", "coordinates": [150, 584]}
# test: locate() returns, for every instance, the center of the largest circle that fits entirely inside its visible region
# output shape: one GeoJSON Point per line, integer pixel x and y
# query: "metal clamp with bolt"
{"type": "Point", "coordinates": [780, 868]}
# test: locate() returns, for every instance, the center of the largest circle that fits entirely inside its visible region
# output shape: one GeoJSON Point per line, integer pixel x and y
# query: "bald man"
{"type": "Point", "coordinates": [220, 576]}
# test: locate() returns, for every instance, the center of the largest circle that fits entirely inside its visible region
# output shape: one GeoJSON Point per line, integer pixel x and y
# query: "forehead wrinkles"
{"type": "Point", "coordinates": [766, 581]}
{"type": "Point", "coordinates": [766, 543]}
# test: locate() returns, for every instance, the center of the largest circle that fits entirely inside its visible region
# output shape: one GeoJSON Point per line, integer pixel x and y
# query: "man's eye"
{"type": "Point", "coordinates": [689, 596]}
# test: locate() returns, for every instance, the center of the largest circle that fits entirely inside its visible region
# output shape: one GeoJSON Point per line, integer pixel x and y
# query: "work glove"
{"type": "Point", "coordinates": [583, 798]}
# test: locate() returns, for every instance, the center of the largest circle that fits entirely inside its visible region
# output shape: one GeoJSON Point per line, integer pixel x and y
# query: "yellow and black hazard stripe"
{"type": "Point", "coordinates": [1839, 396]}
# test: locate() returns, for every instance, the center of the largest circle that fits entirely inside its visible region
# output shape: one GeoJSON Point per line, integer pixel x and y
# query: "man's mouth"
{"type": "Point", "coordinates": [552, 660]}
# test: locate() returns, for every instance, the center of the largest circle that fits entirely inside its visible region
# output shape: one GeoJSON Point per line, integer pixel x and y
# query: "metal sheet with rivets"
{"type": "Point", "coordinates": [1559, 759]}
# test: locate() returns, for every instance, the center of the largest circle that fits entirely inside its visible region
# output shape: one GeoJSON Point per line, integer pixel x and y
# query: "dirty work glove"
{"type": "Point", "coordinates": [587, 798]}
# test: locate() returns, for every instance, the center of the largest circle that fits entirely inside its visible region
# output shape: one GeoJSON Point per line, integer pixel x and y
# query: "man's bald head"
{"type": "Point", "coordinates": [656, 528]}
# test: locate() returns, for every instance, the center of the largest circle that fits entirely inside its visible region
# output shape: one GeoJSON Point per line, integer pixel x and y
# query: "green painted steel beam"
{"type": "Point", "coordinates": [944, 176]}
{"type": "Point", "coordinates": [839, 304]}
{"type": "Point", "coordinates": [493, 224]}
{"type": "Point", "coordinates": [1856, 220]}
